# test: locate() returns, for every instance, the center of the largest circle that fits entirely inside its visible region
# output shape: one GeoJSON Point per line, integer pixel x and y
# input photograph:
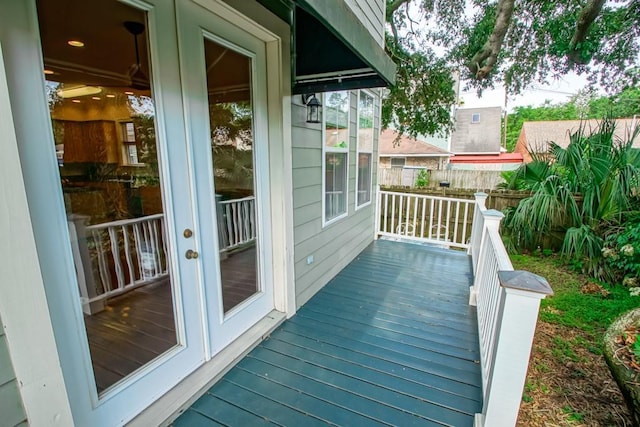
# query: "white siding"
{"type": "Point", "coordinates": [334, 246]}
{"type": "Point", "coordinates": [371, 14]}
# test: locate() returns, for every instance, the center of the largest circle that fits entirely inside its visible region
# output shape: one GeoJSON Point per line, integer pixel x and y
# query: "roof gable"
{"type": "Point", "coordinates": [407, 146]}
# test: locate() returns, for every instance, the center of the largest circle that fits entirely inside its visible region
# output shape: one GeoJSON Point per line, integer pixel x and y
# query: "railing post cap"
{"type": "Point", "coordinates": [524, 281]}
{"type": "Point", "coordinates": [493, 213]}
{"type": "Point", "coordinates": [480, 195]}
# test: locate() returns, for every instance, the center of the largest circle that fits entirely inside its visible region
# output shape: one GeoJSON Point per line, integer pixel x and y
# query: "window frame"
{"type": "Point", "coordinates": [370, 152]}
{"type": "Point", "coordinates": [404, 162]}
{"type": "Point", "coordinates": [341, 150]}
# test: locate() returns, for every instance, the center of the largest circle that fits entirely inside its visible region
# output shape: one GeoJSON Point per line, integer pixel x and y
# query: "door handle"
{"type": "Point", "coordinates": [191, 254]}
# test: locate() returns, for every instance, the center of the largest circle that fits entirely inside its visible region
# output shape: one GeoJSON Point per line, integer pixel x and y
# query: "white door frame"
{"type": "Point", "coordinates": [39, 371]}
{"type": "Point", "coordinates": [35, 145]}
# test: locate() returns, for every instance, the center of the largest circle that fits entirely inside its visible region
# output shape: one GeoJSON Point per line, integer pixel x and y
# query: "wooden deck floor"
{"type": "Point", "coordinates": [138, 326]}
{"type": "Point", "coordinates": [391, 340]}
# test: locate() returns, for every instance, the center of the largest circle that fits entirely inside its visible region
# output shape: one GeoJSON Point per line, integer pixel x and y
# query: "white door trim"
{"type": "Point", "coordinates": [23, 303]}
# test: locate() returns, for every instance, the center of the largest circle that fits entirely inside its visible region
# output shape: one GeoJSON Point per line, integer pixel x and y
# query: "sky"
{"type": "Point", "coordinates": [557, 92]}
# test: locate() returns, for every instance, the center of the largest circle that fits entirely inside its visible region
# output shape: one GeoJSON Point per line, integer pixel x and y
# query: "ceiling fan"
{"type": "Point", "coordinates": [139, 79]}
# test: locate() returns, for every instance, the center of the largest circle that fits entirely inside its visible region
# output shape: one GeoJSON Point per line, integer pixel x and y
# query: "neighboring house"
{"type": "Point", "coordinates": [535, 136]}
{"type": "Point", "coordinates": [477, 131]}
{"type": "Point", "coordinates": [487, 162]}
{"type": "Point", "coordinates": [475, 141]}
{"type": "Point", "coordinates": [129, 207]}
{"type": "Point", "coordinates": [406, 152]}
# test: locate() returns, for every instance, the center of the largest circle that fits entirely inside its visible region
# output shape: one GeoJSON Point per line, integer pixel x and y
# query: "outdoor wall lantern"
{"type": "Point", "coordinates": [314, 108]}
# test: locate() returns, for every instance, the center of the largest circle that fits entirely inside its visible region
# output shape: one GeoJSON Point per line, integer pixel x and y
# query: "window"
{"type": "Point", "coordinates": [398, 162]}
{"type": "Point", "coordinates": [365, 148]}
{"type": "Point", "coordinates": [130, 145]}
{"type": "Point", "coordinates": [336, 154]}
{"type": "Point", "coordinates": [475, 118]}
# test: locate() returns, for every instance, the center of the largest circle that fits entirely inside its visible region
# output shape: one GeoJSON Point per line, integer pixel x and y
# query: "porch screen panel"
{"type": "Point", "coordinates": [231, 125]}
{"type": "Point", "coordinates": [336, 154]}
{"type": "Point", "coordinates": [98, 81]}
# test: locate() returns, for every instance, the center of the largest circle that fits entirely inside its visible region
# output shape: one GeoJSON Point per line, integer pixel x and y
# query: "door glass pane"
{"type": "Point", "coordinates": [231, 124]}
{"type": "Point", "coordinates": [102, 112]}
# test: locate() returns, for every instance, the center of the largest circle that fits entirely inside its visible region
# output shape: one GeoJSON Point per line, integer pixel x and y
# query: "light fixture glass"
{"type": "Point", "coordinates": [75, 43]}
{"type": "Point", "coordinates": [110, 95]}
{"type": "Point", "coordinates": [314, 108]}
{"type": "Point", "coordinates": [48, 72]}
{"type": "Point", "coordinates": [77, 101]}
{"type": "Point", "coordinates": [128, 92]}
{"type": "Point", "coordinates": [79, 91]}
{"type": "Point", "coordinates": [96, 98]}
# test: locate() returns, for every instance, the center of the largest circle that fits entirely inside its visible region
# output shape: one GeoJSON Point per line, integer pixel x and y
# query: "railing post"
{"type": "Point", "coordinates": [82, 259]}
{"type": "Point", "coordinates": [378, 213]}
{"type": "Point", "coordinates": [480, 206]}
{"type": "Point", "coordinates": [491, 221]}
{"type": "Point", "coordinates": [518, 314]}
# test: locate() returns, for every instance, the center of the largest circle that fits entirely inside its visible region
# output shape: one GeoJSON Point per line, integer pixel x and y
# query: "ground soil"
{"type": "Point", "coordinates": [570, 386]}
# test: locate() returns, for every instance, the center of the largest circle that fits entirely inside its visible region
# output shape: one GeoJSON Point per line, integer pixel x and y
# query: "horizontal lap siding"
{"type": "Point", "coordinates": [335, 245]}
{"type": "Point", "coordinates": [371, 14]}
{"type": "Point", "coordinates": [10, 400]}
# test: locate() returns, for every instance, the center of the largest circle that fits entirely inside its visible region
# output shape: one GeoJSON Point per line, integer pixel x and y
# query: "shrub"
{"type": "Point", "coordinates": [422, 179]}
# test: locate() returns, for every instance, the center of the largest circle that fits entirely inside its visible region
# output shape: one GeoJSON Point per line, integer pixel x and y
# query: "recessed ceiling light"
{"type": "Point", "coordinates": [75, 43]}
{"type": "Point", "coordinates": [46, 71]}
{"type": "Point", "coordinates": [79, 91]}
{"type": "Point", "coordinates": [128, 92]}
{"type": "Point", "coordinates": [77, 101]}
{"type": "Point", "coordinates": [96, 98]}
{"type": "Point", "coordinates": [110, 95]}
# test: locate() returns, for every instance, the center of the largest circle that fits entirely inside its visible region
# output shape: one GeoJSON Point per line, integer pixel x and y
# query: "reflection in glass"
{"type": "Point", "coordinates": [231, 124]}
{"type": "Point", "coordinates": [336, 147]}
{"type": "Point", "coordinates": [365, 146]}
{"type": "Point", "coordinates": [103, 120]}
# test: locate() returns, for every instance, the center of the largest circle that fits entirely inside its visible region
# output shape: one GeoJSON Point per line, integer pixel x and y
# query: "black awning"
{"type": "Point", "coordinates": [332, 50]}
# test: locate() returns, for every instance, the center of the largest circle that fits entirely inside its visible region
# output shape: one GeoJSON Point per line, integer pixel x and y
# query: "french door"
{"type": "Point", "coordinates": [145, 163]}
{"type": "Point", "coordinates": [225, 82]}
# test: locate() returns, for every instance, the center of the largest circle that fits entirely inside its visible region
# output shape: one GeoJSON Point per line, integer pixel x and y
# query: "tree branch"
{"type": "Point", "coordinates": [392, 6]}
{"type": "Point", "coordinates": [484, 60]}
{"type": "Point", "coordinates": [588, 14]}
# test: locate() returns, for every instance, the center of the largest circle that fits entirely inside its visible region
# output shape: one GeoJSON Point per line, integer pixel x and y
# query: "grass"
{"type": "Point", "coordinates": [591, 313]}
{"type": "Point", "coordinates": [568, 382]}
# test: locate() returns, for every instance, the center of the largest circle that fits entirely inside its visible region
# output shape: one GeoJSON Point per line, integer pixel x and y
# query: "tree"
{"type": "Point", "coordinates": [583, 191]}
{"type": "Point", "coordinates": [509, 42]}
{"type": "Point", "coordinates": [581, 106]}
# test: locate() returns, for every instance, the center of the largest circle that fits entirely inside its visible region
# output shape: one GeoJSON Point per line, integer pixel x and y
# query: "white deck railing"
{"type": "Point", "coordinates": [507, 308]}
{"type": "Point", "coordinates": [115, 257]}
{"type": "Point", "coordinates": [507, 301]}
{"type": "Point", "coordinates": [442, 221]}
{"type": "Point", "coordinates": [236, 222]}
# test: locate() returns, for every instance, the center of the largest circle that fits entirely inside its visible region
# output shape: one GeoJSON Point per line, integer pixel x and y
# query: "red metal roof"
{"type": "Point", "coordinates": [491, 158]}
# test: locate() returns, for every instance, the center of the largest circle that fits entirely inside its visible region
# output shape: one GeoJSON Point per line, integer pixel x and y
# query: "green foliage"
{"type": "Point", "coordinates": [431, 40]}
{"type": "Point", "coordinates": [583, 191]}
{"type": "Point", "coordinates": [623, 104]}
{"type": "Point", "coordinates": [622, 254]}
{"type": "Point", "coordinates": [568, 306]}
{"type": "Point", "coordinates": [421, 100]}
{"type": "Point", "coordinates": [422, 179]}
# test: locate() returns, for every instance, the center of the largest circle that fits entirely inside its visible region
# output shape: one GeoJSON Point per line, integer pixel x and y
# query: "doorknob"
{"type": "Point", "coordinates": [191, 254]}
{"type": "Point", "coordinates": [187, 233]}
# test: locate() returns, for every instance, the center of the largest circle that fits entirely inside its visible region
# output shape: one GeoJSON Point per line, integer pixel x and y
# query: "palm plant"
{"type": "Point", "coordinates": [582, 190]}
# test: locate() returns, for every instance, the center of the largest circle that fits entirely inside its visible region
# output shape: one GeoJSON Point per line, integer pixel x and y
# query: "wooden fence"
{"type": "Point", "coordinates": [463, 179]}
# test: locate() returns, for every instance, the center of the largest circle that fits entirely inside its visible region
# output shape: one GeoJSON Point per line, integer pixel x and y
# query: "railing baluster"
{"type": "Point", "coordinates": [393, 214]}
{"type": "Point", "coordinates": [127, 253]}
{"type": "Point", "coordinates": [103, 267]}
{"type": "Point", "coordinates": [115, 252]}
{"type": "Point", "coordinates": [431, 213]}
{"type": "Point", "coordinates": [423, 218]}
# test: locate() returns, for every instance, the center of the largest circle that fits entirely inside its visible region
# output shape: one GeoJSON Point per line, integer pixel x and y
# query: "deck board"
{"type": "Point", "coordinates": [391, 340]}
